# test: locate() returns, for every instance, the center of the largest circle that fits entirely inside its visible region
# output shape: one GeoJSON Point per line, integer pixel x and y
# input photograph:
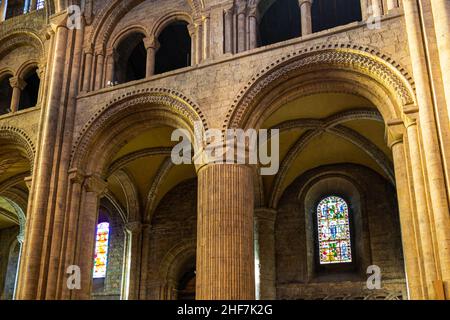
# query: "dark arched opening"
{"type": "Point", "coordinates": [175, 48]}
{"type": "Point", "coordinates": [5, 95]}
{"type": "Point", "coordinates": [131, 62]}
{"type": "Point", "coordinates": [280, 21]}
{"type": "Point", "coordinates": [327, 14]}
{"type": "Point", "coordinates": [29, 95]}
{"type": "Point", "coordinates": [186, 286]}
{"type": "Point", "coordinates": [15, 8]}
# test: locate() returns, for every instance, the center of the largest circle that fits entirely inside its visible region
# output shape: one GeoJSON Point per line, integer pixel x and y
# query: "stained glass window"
{"type": "Point", "coordinates": [334, 231]}
{"type": "Point", "coordinates": [101, 250]}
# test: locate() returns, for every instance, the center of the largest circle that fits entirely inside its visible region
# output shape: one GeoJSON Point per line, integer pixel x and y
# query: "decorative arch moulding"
{"type": "Point", "coordinates": [352, 57]}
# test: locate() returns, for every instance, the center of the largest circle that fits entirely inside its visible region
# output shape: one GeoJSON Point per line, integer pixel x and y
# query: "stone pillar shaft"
{"type": "Point", "coordinates": [206, 37]}
{"type": "Point", "coordinates": [32, 263]}
{"type": "Point", "coordinates": [364, 9]}
{"type": "Point", "coordinates": [253, 32]}
{"type": "Point", "coordinates": [423, 212]}
{"type": "Point", "coordinates": [225, 257]}
{"type": "Point", "coordinates": [151, 61]}
{"type": "Point", "coordinates": [17, 85]}
{"type": "Point", "coordinates": [430, 141]}
{"type": "Point", "coordinates": [441, 15]}
{"type": "Point", "coordinates": [3, 11]}
{"type": "Point", "coordinates": [99, 71]}
{"type": "Point", "coordinates": [241, 31]}
{"type": "Point", "coordinates": [132, 260]}
{"type": "Point", "coordinates": [86, 235]}
{"type": "Point", "coordinates": [71, 232]}
{"type": "Point", "coordinates": [109, 72]}
{"type": "Point", "coordinates": [265, 250]}
{"type": "Point", "coordinates": [410, 249]}
{"type": "Point", "coordinates": [33, 5]}
{"type": "Point", "coordinates": [229, 30]}
{"type": "Point", "coordinates": [87, 72]}
{"type": "Point", "coordinates": [392, 4]}
{"type": "Point", "coordinates": [306, 19]}
{"type": "Point", "coordinates": [377, 8]}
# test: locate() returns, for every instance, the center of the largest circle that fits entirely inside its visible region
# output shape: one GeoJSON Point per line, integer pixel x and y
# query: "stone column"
{"type": "Point", "coordinates": [305, 14]}
{"type": "Point", "coordinates": [406, 213]}
{"type": "Point", "coordinates": [133, 232]}
{"type": "Point", "coordinates": [32, 261]}
{"type": "Point", "coordinates": [430, 141]}
{"type": "Point", "coordinates": [17, 85]}
{"type": "Point", "coordinates": [392, 4]}
{"type": "Point", "coordinates": [198, 41]}
{"type": "Point", "coordinates": [76, 179]}
{"type": "Point", "coordinates": [93, 189]}
{"type": "Point", "coordinates": [225, 253]}
{"type": "Point", "coordinates": [377, 8]}
{"type": "Point", "coordinates": [41, 74]}
{"type": "Point", "coordinates": [146, 233]}
{"type": "Point", "coordinates": [265, 251]}
{"type": "Point", "coordinates": [423, 212]}
{"type": "Point", "coordinates": [192, 29]}
{"type": "Point", "coordinates": [364, 9]}
{"type": "Point", "coordinates": [206, 36]}
{"type": "Point", "coordinates": [20, 239]}
{"type": "Point", "coordinates": [100, 56]}
{"type": "Point", "coordinates": [241, 30]}
{"type": "Point", "coordinates": [152, 46]}
{"type": "Point", "coordinates": [110, 63]}
{"type": "Point", "coordinates": [2, 11]}
{"type": "Point", "coordinates": [441, 15]}
{"type": "Point", "coordinates": [33, 5]}
{"type": "Point", "coordinates": [88, 71]}
{"type": "Point", "coordinates": [253, 27]}
{"type": "Point", "coordinates": [229, 14]}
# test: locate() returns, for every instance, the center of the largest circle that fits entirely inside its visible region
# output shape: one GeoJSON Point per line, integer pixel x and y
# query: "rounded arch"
{"type": "Point", "coordinates": [123, 34]}
{"type": "Point", "coordinates": [110, 15]}
{"type": "Point", "coordinates": [141, 110]}
{"type": "Point", "coordinates": [21, 37]}
{"type": "Point", "coordinates": [26, 67]}
{"type": "Point", "coordinates": [174, 261]}
{"type": "Point", "coordinates": [167, 19]}
{"type": "Point", "coordinates": [5, 72]}
{"type": "Point", "coordinates": [18, 137]}
{"type": "Point", "coordinates": [321, 69]}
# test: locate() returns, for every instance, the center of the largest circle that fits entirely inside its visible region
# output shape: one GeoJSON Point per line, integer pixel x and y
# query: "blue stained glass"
{"type": "Point", "coordinates": [334, 231]}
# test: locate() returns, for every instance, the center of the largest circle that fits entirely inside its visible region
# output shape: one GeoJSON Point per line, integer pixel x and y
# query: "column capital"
{"type": "Point", "coordinates": [17, 82]}
{"type": "Point", "coordinates": [151, 43]}
{"type": "Point", "coordinates": [252, 11]}
{"type": "Point", "coordinates": [96, 184]}
{"type": "Point", "coordinates": [134, 227]}
{"type": "Point", "coordinates": [411, 115]}
{"type": "Point", "coordinates": [28, 182]}
{"type": "Point", "coordinates": [241, 7]}
{"type": "Point", "coordinates": [76, 176]}
{"type": "Point", "coordinates": [268, 214]}
{"type": "Point", "coordinates": [228, 11]}
{"type": "Point", "coordinates": [100, 51]}
{"type": "Point", "coordinates": [395, 132]}
{"type": "Point", "coordinates": [59, 20]}
{"type": "Point", "coordinates": [302, 2]}
{"type": "Point", "coordinates": [88, 49]}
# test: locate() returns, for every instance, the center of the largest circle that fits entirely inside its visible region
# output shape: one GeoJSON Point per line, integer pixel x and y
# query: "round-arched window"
{"type": "Point", "coordinates": [333, 231]}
